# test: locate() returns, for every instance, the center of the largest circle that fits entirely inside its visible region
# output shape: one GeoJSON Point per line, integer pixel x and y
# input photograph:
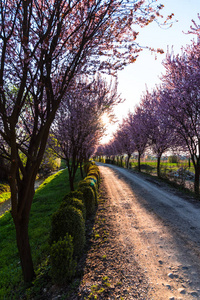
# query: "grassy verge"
{"type": "Point", "coordinates": [46, 200]}
{"type": "Point", "coordinates": [4, 196]}
{"type": "Point", "coordinates": [4, 192]}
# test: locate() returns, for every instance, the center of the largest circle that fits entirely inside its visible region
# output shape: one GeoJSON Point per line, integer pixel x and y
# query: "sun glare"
{"type": "Point", "coordinates": [105, 119]}
{"type": "Point", "coordinates": [109, 128]}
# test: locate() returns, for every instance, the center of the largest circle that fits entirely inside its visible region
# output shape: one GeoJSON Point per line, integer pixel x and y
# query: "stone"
{"type": "Point", "coordinates": [171, 275]}
{"type": "Point", "coordinates": [168, 286]}
{"type": "Point", "coordinates": [181, 291]}
{"type": "Point", "coordinates": [194, 294]}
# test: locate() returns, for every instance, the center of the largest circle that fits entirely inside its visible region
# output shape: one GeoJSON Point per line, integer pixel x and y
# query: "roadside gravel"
{"type": "Point", "coordinates": [111, 271]}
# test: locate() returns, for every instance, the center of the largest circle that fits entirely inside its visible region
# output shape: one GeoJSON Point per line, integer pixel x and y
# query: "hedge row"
{"type": "Point", "coordinates": [67, 236]}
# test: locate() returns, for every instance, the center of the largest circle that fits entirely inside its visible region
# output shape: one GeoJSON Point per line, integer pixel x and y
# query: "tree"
{"type": "Point", "coordinates": [139, 131]}
{"type": "Point", "coordinates": [77, 127]}
{"type": "Point", "coordinates": [123, 140]}
{"type": "Point", "coordinates": [181, 101]}
{"type": "Point", "coordinates": [43, 44]}
{"type": "Point", "coordinates": [100, 152]}
{"type": "Point", "coordinates": [160, 134]}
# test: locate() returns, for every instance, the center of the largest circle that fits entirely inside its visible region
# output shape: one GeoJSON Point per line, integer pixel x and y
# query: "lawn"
{"type": "Point", "coordinates": [46, 201]}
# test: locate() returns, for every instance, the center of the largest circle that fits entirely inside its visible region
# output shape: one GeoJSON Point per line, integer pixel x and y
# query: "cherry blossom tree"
{"type": "Point", "coordinates": [139, 131]}
{"type": "Point", "coordinates": [160, 134]}
{"type": "Point", "coordinates": [43, 44]}
{"type": "Point", "coordinates": [99, 153]}
{"type": "Point", "coordinates": [123, 141]}
{"type": "Point", "coordinates": [131, 136]}
{"type": "Point", "coordinates": [77, 127]}
{"type": "Point", "coordinates": [181, 101]}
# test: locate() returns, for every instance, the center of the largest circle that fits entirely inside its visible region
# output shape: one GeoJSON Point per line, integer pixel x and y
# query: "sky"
{"type": "Point", "coordinates": [132, 81]}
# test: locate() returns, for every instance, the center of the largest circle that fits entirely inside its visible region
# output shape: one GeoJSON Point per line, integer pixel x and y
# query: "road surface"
{"type": "Point", "coordinates": [160, 228]}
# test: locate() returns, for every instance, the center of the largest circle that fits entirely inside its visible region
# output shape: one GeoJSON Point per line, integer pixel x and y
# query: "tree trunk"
{"type": "Point", "coordinates": [21, 220]}
{"type": "Point", "coordinates": [81, 170]}
{"type": "Point", "coordinates": [70, 173]}
{"type": "Point", "coordinates": [139, 165]}
{"type": "Point", "coordinates": [196, 179]}
{"type": "Point", "coordinates": [158, 166]}
{"type": "Point", "coordinates": [121, 161]}
{"type": "Point", "coordinates": [195, 161]}
{"type": "Point", "coordinates": [71, 182]}
{"type": "Point", "coordinates": [71, 179]}
{"type": "Point", "coordinates": [128, 158]}
{"type": "Point", "coordinates": [24, 250]}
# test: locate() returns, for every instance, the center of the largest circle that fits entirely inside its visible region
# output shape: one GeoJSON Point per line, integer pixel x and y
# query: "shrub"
{"type": "Point", "coordinates": [94, 174]}
{"type": "Point", "coordinates": [63, 266]}
{"type": "Point", "coordinates": [94, 171]}
{"type": "Point", "coordinates": [89, 197]}
{"type": "Point", "coordinates": [86, 166]}
{"type": "Point", "coordinates": [91, 181]}
{"type": "Point", "coordinates": [93, 168]}
{"type": "Point", "coordinates": [77, 203]}
{"type": "Point", "coordinates": [74, 194]}
{"type": "Point", "coordinates": [69, 220]}
{"type": "Point", "coordinates": [88, 181]}
{"type": "Point", "coordinates": [93, 177]}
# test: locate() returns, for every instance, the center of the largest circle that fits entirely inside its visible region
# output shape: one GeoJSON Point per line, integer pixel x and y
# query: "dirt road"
{"type": "Point", "coordinates": [160, 229]}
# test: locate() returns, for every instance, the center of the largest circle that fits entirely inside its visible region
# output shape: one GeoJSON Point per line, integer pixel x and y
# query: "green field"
{"type": "Point", "coordinates": [46, 201]}
{"type": "Point", "coordinates": [165, 167]}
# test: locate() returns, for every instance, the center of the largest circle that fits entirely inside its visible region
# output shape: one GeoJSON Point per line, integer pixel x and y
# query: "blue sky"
{"type": "Point", "coordinates": [146, 70]}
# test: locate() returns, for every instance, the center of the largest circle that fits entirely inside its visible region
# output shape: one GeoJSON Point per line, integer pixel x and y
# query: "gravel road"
{"type": "Point", "coordinates": [160, 228]}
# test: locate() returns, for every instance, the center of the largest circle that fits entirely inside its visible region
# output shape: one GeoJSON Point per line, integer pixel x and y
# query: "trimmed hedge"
{"type": "Point", "coordinates": [89, 187]}
{"type": "Point", "coordinates": [69, 220]}
{"type": "Point", "coordinates": [88, 165]}
{"type": "Point", "coordinates": [89, 198]}
{"type": "Point", "coordinates": [67, 236]}
{"type": "Point", "coordinates": [94, 175]}
{"type": "Point", "coordinates": [63, 266]}
{"type": "Point", "coordinates": [88, 182]}
{"type": "Point", "coordinates": [74, 194]}
{"type": "Point", "coordinates": [77, 203]}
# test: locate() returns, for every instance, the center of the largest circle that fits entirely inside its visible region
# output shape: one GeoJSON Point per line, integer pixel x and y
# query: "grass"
{"type": "Point", "coordinates": [4, 196]}
{"type": "Point", "coordinates": [4, 192]}
{"type": "Point", "coordinates": [46, 201]}
{"type": "Point", "coordinates": [151, 166]}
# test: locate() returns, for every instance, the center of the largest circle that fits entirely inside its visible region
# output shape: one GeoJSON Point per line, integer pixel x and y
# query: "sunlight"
{"type": "Point", "coordinates": [110, 127]}
{"type": "Point", "coordinates": [105, 119]}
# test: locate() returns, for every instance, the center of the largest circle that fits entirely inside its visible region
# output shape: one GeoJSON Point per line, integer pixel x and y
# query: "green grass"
{"type": "Point", "coordinates": [4, 196]}
{"type": "Point", "coordinates": [4, 192]}
{"type": "Point", "coordinates": [165, 167]}
{"type": "Point", "coordinates": [46, 201]}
